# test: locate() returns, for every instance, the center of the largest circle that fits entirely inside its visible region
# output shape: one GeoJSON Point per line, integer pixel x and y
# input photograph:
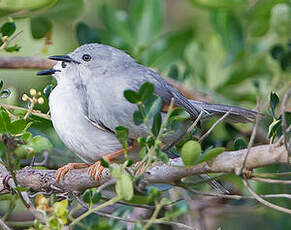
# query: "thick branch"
{"type": "Point", "coordinates": [25, 63]}
{"type": "Point", "coordinates": [227, 162]}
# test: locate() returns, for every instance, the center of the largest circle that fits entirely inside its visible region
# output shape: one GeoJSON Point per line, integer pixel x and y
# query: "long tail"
{"type": "Point", "coordinates": [236, 114]}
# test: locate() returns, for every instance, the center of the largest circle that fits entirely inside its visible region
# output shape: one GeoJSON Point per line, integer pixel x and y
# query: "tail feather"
{"type": "Point", "coordinates": [236, 114]}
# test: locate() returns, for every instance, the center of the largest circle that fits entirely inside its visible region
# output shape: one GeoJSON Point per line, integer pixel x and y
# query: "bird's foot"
{"type": "Point", "coordinates": [61, 172]}
{"type": "Point", "coordinates": [96, 169]}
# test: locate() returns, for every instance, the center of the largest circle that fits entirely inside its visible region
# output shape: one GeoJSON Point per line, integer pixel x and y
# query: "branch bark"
{"type": "Point", "coordinates": [227, 162]}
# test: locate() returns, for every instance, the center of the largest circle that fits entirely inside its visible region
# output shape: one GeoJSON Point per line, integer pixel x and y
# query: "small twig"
{"type": "Point", "coordinates": [236, 197]}
{"type": "Point", "coordinates": [213, 126]}
{"type": "Point", "coordinates": [271, 181]}
{"type": "Point", "coordinates": [263, 201]}
{"type": "Point", "coordinates": [130, 220]}
{"type": "Point", "coordinates": [44, 161]}
{"type": "Point", "coordinates": [193, 125]}
{"type": "Point", "coordinates": [158, 207]}
{"type": "Point", "coordinates": [281, 139]}
{"type": "Point", "coordinates": [271, 175]}
{"type": "Point", "coordinates": [106, 184]}
{"type": "Point", "coordinates": [284, 123]}
{"type": "Point", "coordinates": [251, 142]}
{"type": "Point", "coordinates": [92, 210]}
{"type": "Point", "coordinates": [3, 225]}
{"type": "Point", "coordinates": [35, 113]}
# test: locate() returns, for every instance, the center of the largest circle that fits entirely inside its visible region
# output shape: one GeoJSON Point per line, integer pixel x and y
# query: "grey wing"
{"type": "Point", "coordinates": [107, 107]}
{"type": "Point", "coordinates": [167, 92]}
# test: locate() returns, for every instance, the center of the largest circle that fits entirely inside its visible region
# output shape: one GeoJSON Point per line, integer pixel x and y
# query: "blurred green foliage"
{"type": "Point", "coordinates": [232, 50]}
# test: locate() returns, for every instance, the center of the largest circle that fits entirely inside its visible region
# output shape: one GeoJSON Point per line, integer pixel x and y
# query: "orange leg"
{"type": "Point", "coordinates": [96, 169]}
{"type": "Point", "coordinates": [61, 172]}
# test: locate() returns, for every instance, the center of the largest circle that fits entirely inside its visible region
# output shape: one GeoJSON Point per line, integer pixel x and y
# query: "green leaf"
{"type": "Point", "coordinates": [141, 141]}
{"type": "Point", "coordinates": [96, 197]}
{"type": "Point", "coordinates": [13, 48]}
{"type": "Point", "coordinates": [47, 90]}
{"type": "Point", "coordinates": [174, 72]}
{"type": "Point", "coordinates": [210, 154]}
{"type": "Point", "coordinates": [150, 141]}
{"type": "Point", "coordinates": [179, 115]}
{"type": "Point", "coordinates": [146, 19]}
{"type": "Point", "coordinates": [137, 118]}
{"type": "Point", "coordinates": [216, 4]}
{"type": "Point", "coordinates": [5, 93]}
{"type": "Point", "coordinates": [40, 26]}
{"type": "Point", "coordinates": [25, 5]}
{"type": "Point", "coordinates": [154, 193]}
{"type": "Point", "coordinates": [277, 52]}
{"type": "Point", "coordinates": [157, 124]}
{"type": "Point", "coordinates": [2, 151]}
{"type": "Point", "coordinates": [162, 156]}
{"type": "Point", "coordinates": [35, 145]}
{"type": "Point", "coordinates": [61, 208]}
{"type": "Point", "coordinates": [104, 163]}
{"type": "Point", "coordinates": [18, 126]}
{"type": "Point", "coordinates": [27, 136]}
{"type": "Point", "coordinates": [273, 128]}
{"type": "Point", "coordinates": [146, 91]}
{"type": "Point", "coordinates": [21, 189]}
{"type": "Point", "coordinates": [239, 143]}
{"type": "Point", "coordinates": [40, 143]}
{"type": "Point", "coordinates": [65, 10]}
{"type": "Point", "coordinates": [4, 121]}
{"type": "Point", "coordinates": [87, 196]}
{"type": "Point", "coordinates": [229, 29]}
{"type": "Point", "coordinates": [280, 18]}
{"type": "Point", "coordinates": [178, 209]}
{"type": "Point", "coordinates": [169, 49]}
{"type": "Point", "coordinates": [124, 187]}
{"type": "Point", "coordinates": [8, 28]}
{"type": "Point", "coordinates": [116, 22]}
{"type": "Point", "coordinates": [86, 34]}
{"type": "Point", "coordinates": [132, 96]}
{"type": "Point", "coordinates": [142, 152]}
{"type": "Point", "coordinates": [153, 106]}
{"type": "Point", "coordinates": [1, 84]}
{"type": "Point", "coordinates": [274, 100]}
{"type": "Point", "coordinates": [116, 171]}
{"type": "Point", "coordinates": [121, 134]}
{"type": "Point", "coordinates": [190, 152]}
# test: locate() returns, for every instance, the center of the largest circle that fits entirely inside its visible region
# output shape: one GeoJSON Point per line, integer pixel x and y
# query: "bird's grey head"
{"type": "Point", "coordinates": [87, 61]}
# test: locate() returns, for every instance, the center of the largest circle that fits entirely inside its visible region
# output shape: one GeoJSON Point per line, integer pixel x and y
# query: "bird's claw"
{"type": "Point", "coordinates": [61, 172]}
{"type": "Point", "coordinates": [95, 170]}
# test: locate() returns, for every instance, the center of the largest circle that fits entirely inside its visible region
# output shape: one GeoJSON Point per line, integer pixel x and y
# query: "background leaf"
{"type": "Point", "coordinates": [86, 34]}
{"type": "Point", "coordinates": [40, 26]}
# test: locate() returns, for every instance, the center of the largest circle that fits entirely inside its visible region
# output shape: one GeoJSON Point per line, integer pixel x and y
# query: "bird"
{"type": "Point", "coordinates": [88, 103]}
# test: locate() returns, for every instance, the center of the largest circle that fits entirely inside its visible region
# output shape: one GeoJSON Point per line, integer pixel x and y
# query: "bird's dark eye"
{"type": "Point", "coordinates": [64, 64]}
{"type": "Point", "coordinates": [86, 57]}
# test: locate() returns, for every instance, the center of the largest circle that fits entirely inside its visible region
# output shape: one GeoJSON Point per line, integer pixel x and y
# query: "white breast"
{"type": "Point", "coordinates": [81, 137]}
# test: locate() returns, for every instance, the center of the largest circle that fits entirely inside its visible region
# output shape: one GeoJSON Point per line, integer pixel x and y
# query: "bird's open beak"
{"type": "Point", "coordinates": [64, 58]}
{"type": "Point", "coordinates": [48, 72]}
